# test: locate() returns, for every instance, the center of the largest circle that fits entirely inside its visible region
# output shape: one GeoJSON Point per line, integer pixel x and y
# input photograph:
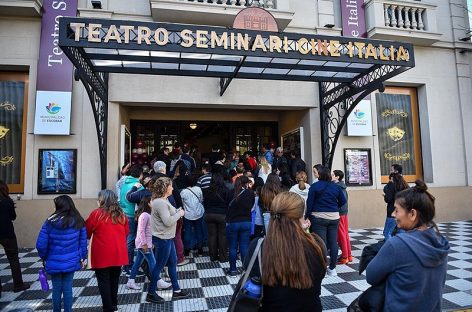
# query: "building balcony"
{"type": "Point", "coordinates": [24, 8]}
{"type": "Point", "coordinates": [402, 20]}
{"type": "Point", "coordinates": [215, 12]}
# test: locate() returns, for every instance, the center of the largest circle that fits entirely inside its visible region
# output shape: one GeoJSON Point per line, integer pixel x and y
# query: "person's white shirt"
{"type": "Point", "coordinates": [263, 174]}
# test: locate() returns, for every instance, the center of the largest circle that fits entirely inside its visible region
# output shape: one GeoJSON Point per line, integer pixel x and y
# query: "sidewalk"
{"type": "Point", "coordinates": [211, 289]}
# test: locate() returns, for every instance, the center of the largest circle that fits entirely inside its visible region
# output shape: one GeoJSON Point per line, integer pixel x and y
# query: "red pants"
{"type": "Point", "coordinates": [179, 245]}
{"type": "Point", "coordinates": [343, 237]}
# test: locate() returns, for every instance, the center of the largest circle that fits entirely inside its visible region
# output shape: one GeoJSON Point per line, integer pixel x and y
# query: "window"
{"type": "Point", "coordinates": [398, 132]}
{"type": "Point", "coordinates": [13, 108]}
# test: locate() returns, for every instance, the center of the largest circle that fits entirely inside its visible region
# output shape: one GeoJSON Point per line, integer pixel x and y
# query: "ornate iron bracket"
{"type": "Point", "coordinates": [96, 85]}
{"type": "Point", "coordinates": [338, 100]}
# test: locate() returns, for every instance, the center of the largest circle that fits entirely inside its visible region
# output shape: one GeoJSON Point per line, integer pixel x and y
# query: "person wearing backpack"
{"type": "Point", "coordinates": [192, 200]}
{"type": "Point", "coordinates": [62, 245]}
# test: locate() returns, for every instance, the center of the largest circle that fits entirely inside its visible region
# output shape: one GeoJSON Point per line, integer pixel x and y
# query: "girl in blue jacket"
{"type": "Point", "coordinates": [62, 245]}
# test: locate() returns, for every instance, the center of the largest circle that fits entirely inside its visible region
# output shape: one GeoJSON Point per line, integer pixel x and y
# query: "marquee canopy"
{"type": "Point", "coordinates": [344, 67]}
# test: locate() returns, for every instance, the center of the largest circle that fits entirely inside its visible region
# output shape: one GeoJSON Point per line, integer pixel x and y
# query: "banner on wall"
{"type": "Point", "coordinates": [54, 79]}
{"type": "Point", "coordinates": [396, 137]}
{"type": "Point", "coordinates": [353, 18]}
{"type": "Point", "coordinates": [11, 130]}
{"type": "Point", "coordinates": [359, 122]}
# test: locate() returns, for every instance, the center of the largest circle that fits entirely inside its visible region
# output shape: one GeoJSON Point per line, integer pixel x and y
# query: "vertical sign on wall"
{"type": "Point", "coordinates": [396, 137]}
{"type": "Point", "coordinates": [353, 17]}
{"type": "Point", "coordinates": [359, 122]}
{"type": "Point", "coordinates": [54, 80]}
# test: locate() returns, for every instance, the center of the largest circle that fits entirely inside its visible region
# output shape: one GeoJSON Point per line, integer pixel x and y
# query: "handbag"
{"type": "Point", "coordinates": [89, 254]}
{"type": "Point", "coordinates": [241, 301]}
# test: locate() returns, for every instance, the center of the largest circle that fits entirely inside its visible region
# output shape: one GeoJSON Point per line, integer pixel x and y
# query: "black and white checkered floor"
{"type": "Point", "coordinates": [211, 289]}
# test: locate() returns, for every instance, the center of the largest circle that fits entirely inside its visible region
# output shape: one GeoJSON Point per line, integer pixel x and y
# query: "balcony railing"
{"type": "Point", "coordinates": [216, 12]}
{"type": "Point", "coordinates": [405, 20]}
{"type": "Point", "coordinates": [403, 16]}
{"type": "Point", "coordinates": [266, 4]}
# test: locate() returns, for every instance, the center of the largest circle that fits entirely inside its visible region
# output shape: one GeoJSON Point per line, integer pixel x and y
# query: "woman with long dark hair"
{"type": "Point", "coordinates": [413, 263]}
{"type": "Point", "coordinates": [107, 226]}
{"type": "Point", "coordinates": [238, 222]}
{"type": "Point", "coordinates": [271, 188]}
{"type": "Point", "coordinates": [293, 261]}
{"type": "Point", "coordinates": [323, 203]}
{"type": "Point", "coordinates": [62, 245]}
{"type": "Point", "coordinates": [396, 184]}
{"type": "Point", "coordinates": [8, 238]}
{"type": "Point", "coordinates": [215, 201]}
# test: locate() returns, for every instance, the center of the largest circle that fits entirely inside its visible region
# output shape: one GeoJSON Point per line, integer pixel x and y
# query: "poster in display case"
{"type": "Point", "coordinates": [357, 167]}
{"type": "Point", "coordinates": [57, 171]}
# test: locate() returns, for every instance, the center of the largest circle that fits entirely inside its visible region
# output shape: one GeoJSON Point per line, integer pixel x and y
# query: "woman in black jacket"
{"type": "Point", "coordinates": [8, 238]}
{"type": "Point", "coordinates": [238, 222]}
{"type": "Point", "coordinates": [396, 184]}
{"type": "Point", "coordinates": [215, 201]}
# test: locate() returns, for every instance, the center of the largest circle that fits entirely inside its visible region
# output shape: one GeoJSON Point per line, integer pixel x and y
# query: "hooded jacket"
{"type": "Point", "coordinates": [414, 266]}
{"type": "Point", "coordinates": [61, 248]}
{"type": "Point", "coordinates": [125, 204]}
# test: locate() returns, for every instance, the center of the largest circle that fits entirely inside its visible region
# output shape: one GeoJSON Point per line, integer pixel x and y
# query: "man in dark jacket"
{"type": "Point", "coordinates": [296, 163]}
{"type": "Point", "coordinates": [8, 238]}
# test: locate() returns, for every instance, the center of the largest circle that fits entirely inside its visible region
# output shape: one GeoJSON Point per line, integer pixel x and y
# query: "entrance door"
{"type": "Point", "coordinates": [125, 146]}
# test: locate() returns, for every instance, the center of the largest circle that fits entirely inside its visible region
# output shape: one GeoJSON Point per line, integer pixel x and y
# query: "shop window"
{"type": "Point", "coordinates": [13, 107]}
{"type": "Point", "coordinates": [399, 132]}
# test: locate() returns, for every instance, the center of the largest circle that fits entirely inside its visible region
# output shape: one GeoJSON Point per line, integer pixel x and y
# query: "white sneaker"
{"type": "Point", "coordinates": [161, 284]}
{"type": "Point", "coordinates": [132, 285]}
{"type": "Point", "coordinates": [183, 262]}
{"type": "Point", "coordinates": [332, 272]}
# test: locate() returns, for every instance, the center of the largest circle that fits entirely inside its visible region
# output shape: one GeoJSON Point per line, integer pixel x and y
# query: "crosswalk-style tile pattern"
{"type": "Point", "coordinates": [211, 289]}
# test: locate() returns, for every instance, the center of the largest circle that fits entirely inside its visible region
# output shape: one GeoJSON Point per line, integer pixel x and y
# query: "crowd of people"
{"type": "Point", "coordinates": [153, 220]}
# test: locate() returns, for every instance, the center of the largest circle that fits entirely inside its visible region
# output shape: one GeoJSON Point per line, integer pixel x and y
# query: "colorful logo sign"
{"type": "Point", "coordinates": [53, 108]}
{"type": "Point", "coordinates": [359, 114]}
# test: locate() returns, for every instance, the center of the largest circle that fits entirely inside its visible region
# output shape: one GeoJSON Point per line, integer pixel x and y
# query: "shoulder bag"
{"type": "Point", "coordinates": [241, 302]}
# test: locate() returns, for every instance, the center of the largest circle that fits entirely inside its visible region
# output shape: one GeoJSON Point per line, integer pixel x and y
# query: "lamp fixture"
{"type": "Point", "coordinates": [193, 126]}
{"type": "Point", "coordinates": [96, 4]}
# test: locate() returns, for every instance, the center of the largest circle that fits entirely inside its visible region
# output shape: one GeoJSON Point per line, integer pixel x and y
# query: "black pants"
{"type": "Point", "coordinates": [217, 244]}
{"type": "Point", "coordinates": [11, 250]}
{"type": "Point", "coordinates": [108, 279]}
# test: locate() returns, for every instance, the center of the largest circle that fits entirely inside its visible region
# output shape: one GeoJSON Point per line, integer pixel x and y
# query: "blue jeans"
{"type": "Point", "coordinates": [328, 231]}
{"type": "Point", "coordinates": [138, 260]}
{"type": "Point", "coordinates": [133, 228]}
{"type": "Point", "coordinates": [62, 286]}
{"type": "Point", "coordinates": [193, 233]}
{"type": "Point", "coordinates": [237, 233]}
{"type": "Point", "coordinates": [388, 227]}
{"type": "Point", "coordinates": [165, 255]}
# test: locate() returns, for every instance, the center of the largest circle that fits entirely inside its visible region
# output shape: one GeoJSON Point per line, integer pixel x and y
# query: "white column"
{"type": "Point", "coordinates": [420, 19]}
{"type": "Point", "coordinates": [386, 14]}
{"type": "Point", "coordinates": [394, 19]}
{"type": "Point", "coordinates": [400, 17]}
{"type": "Point", "coordinates": [414, 23]}
{"type": "Point", "coordinates": [407, 17]}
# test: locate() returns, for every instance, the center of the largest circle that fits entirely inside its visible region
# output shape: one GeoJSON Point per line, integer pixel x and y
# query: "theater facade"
{"type": "Point", "coordinates": [86, 86]}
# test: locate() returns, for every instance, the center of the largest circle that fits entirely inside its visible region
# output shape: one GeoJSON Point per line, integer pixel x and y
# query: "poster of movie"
{"type": "Point", "coordinates": [358, 167]}
{"type": "Point", "coordinates": [57, 171]}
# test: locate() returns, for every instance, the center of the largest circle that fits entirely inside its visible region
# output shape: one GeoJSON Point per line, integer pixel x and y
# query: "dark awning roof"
{"type": "Point", "coordinates": [202, 51]}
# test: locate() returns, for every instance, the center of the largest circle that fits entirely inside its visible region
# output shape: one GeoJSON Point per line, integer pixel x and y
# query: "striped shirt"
{"type": "Point", "coordinates": [204, 181]}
